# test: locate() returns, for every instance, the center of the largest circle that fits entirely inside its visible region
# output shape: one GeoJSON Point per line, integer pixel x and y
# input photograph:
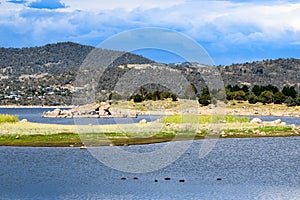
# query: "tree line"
{"type": "Point", "coordinates": [264, 94]}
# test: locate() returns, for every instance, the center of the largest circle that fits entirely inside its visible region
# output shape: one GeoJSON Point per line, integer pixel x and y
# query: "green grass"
{"type": "Point", "coordinates": [274, 128]}
{"type": "Point", "coordinates": [62, 139]}
{"type": "Point", "coordinates": [8, 118]}
{"type": "Point", "coordinates": [203, 119]}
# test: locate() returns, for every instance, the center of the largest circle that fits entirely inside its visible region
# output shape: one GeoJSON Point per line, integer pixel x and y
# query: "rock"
{"type": "Point", "coordinates": [143, 121]}
{"type": "Point", "coordinates": [83, 147]}
{"type": "Point", "coordinates": [262, 133]}
{"type": "Point", "coordinates": [17, 137]}
{"type": "Point", "coordinates": [256, 121]}
{"type": "Point", "coordinates": [24, 120]}
{"type": "Point", "coordinates": [293, 126]}
{"type": "Point", "coordinates": [56, 111]}
{"type": "Point", "coordinates": [223, 134]}
{"type": "Point", "coordinates": [283, 124]}
{"type": "Point", "coordinates": [256, 132]}
{"type": "Point", "coordinates": [277, 121]}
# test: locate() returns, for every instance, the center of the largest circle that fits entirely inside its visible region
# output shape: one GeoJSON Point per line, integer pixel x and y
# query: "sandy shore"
{"type": "Point", "coordinates": [193, 107]}
{"type": "Point", "coordinates": [167, 107]}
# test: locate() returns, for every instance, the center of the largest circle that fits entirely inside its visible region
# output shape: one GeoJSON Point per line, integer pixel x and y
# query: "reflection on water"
{"type": "Point", "coordinates": [261, 168]}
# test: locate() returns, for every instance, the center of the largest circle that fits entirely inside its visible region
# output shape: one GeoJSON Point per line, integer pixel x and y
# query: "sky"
{"type": "Point", "coordinates": [231, 31]}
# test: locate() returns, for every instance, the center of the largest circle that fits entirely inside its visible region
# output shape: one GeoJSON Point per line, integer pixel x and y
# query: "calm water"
{"type": "Point", "coordinates": [34, 115]}
{"type": "Point", "coordinates": [261, 168]}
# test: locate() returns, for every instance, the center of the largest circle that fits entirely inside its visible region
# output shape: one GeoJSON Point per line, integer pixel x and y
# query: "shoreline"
{"type": "Point", "coordinates": [135, 141]}
{"type": "Point", "coordinates": [29, 134]}
{"type": "Point", "coordinates": [183, 106]}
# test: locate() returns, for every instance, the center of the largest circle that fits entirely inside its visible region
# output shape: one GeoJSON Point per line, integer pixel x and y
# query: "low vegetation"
{"type": "Point", "coordinates": [8, 118]}
{"type": "Point", "coordinates": [202, 119]}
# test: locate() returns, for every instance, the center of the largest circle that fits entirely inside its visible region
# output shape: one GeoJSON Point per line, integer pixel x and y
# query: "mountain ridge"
{"type": "Point", "coordinates": [45, 75]}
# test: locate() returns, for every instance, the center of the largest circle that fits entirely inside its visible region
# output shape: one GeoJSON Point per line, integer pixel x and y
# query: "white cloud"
{"type": "Point", "coordinates": [219, 23]}
{"type": "Point", "coordinates": [129, 5]}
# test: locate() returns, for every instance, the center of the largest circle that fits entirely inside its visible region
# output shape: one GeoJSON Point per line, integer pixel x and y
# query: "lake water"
{"type": "Point", "coordinates": [34, 115]}
{"type": "Point", "coordinates": [260, 168]}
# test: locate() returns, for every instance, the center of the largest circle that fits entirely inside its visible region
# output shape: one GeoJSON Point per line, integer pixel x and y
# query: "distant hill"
{"type": "Point", "coordinates": [45, 75]}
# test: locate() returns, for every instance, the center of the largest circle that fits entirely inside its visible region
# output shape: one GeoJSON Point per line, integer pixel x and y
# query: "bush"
{"type": "Point", "coordinates": [279, 98]}
{"type": "Point", "coordinates": [204, 99]}
{"type": "Point", "coordinates": [165, 95]}
{"type": "Point", "coordinates": [174, 97]}
{"type": "Point", "coordinates": [8, 118]}
{"type": "Point", "coordinates": [149, 96]}
{"type": "Point", "coordinates": [266, 97]}
{"type": "Point", "coordinates": [137, 98]}
{"type": "Point", "coordinates": [252, 98]}
{"type": "Point", "coordinates": [297, 101]}
{"type": "Point", "coordinates": [289, 91]}
{"type": "Point", "coordinates": [239, 95]}
{"type": "Point", "coordinates": [290, 101]}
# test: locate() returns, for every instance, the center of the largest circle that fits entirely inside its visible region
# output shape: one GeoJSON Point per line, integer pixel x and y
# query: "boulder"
{"type": "Point", "coordinates": [283, 124]}
{"type": "Point", "coordinates": [143, 121]}
{"type": "Point", "coordinates": [277, 121]}
{"type": "Point", "coordinates": [256, 121]}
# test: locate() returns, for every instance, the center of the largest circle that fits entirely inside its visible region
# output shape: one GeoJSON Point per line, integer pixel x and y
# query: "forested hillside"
{"type": "Point", "coordinates": [45, 75]}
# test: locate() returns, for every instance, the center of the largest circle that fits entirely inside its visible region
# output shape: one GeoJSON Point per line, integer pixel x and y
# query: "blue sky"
{"type": "Point", "coordinates": [231, 31]}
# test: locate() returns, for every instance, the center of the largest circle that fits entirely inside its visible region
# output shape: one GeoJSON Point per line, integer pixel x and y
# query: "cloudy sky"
{"type": "Point", "coordinates": [231, 31]}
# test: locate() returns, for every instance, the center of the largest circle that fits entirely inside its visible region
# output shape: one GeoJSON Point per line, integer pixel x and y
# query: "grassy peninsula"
{"type": "Point", "coordinates": [170, 128]}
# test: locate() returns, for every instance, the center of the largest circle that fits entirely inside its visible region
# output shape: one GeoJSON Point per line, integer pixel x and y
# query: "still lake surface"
{"type": "Point", "coordinates": [34, 115]}
{"type": "Point", "coordinates": [260, 168]}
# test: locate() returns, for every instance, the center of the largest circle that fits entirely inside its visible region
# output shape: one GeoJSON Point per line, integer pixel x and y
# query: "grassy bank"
{"type": "Point", "coordinates": [170, 128]}
{"type": "Point", "coordinates": [8, 118]}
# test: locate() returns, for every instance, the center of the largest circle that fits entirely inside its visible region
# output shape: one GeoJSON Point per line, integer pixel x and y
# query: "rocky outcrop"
{"type": "Point", "coordinates": [276, 122]}
{"type": "Point", "coordinates": [99, 110]}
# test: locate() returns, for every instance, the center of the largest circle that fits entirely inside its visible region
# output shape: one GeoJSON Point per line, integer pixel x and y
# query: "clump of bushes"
{"type": "Point", "coordinates": [264, 94]}
{"type": "Point", "coordinates": [155, 96]}
{"type": "Point", "coordinates": [8, 118]}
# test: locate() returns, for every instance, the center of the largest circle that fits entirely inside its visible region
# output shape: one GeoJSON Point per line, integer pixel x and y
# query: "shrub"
{"type": "Point", "coordinates": [290, 101]}
{"type": "Point", "coordinates": [174, 97]}
{"type": "Point", "coordinates": [279, 98]}
{"type": "Point", "coordinates": [297, 101]}
{"type": "Point", "coordinates": [266, 97]}
{"type": "Point", "coordinates": [137, 98]}
{"type": "Point", "coordinates": [239, 95]}
{"type": "Point", "coordinates": [252, 98]}
{"type": "Point", "coordinates": [204, 99]}
{"type": "Point", "coordinates": [289, 91]}
{"type": "Point", "coordinates": [8, 118]}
